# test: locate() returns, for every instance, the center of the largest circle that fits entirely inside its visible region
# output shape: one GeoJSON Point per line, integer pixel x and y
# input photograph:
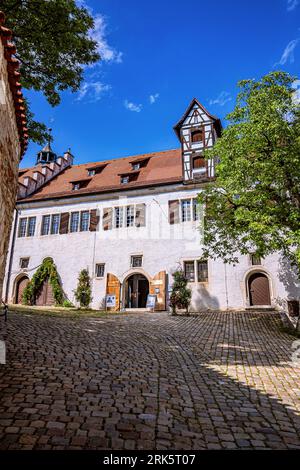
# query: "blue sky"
{"type": "Point", "coordinates": [157, 56]}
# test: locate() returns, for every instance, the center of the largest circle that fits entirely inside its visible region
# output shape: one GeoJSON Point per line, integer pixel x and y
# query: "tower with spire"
{"type": "Point", "coordinates": [46, 155]}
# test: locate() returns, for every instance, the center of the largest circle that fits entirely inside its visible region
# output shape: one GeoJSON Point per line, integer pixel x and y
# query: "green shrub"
{"type": "Point", "coordinates": [83, 293]}
{"type": "Point", "coordinates": [180, 295]}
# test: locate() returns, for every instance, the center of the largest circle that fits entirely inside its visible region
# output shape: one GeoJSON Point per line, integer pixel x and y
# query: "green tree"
{"type": "Point", "coordinates": [254, 203]}
{"type": "Point", "coordinates": [53, 44]}
{"type": "Point", "coordinates": [83, 293]}
{"type": "Point", "coordinates": [181, 295]}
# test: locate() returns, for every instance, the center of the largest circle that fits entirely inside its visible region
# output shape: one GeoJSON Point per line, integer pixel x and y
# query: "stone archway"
{"type": "Point", "coordinates": [20, 285]}
{"type": "Point", "coordinates": [136, 291]}
{"type": "Point", "coordinates": [259, 289]}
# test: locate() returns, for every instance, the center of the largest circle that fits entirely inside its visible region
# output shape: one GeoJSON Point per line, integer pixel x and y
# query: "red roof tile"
{"type": "Point", "coordinates": [13, 78]}
{"type": "Point", "coordinates": [162, 168]}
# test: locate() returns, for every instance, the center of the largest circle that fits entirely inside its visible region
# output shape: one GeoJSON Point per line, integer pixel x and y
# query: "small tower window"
{"type": "Point", "coordinates": [199, 162]}
{"type": "Point", "coordinates": [197, 135]}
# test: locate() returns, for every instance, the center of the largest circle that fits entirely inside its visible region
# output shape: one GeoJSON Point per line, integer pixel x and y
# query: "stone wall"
{"type": "Point", "coordinates": [10, 151]}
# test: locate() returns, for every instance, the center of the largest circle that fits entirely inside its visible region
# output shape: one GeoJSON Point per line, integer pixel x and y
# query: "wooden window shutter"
{"type": "Point", "coordinates": [174, 212]}
{"type": "Point", "coordinates": [64, 222]}
{"type": "Point", "coordinates": [94, 220]}
{"type": "Point", "coordinates": [140, 215]}
{"type": "Point", "coordinates": [107, 218]}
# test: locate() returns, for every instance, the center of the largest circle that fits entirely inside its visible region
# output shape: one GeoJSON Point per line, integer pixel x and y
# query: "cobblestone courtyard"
{"type": "Point", "coordinates": [149, 381]}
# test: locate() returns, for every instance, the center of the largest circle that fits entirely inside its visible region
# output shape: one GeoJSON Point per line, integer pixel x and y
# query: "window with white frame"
{"type": "Point", "coordinates": [186, 210]}
{"type": "Point", "coordinates": [45, 224]}
{"type": "Point", "coordinates": [84, 221]}
{"type": "Point", "coordinates": [136, 261]}
{"type": "Point", "coordinates": [100, 269]}
{"type": "Point", "coordinates": [55, 222]}
{"type": "Point", "coordinates": [135, 166]}
{"type": "Point", "coordinates": [24, 262]}
{"type": "Point", "coordinates": [27, 227]}
{"type": "Point", "coordinates": [31, 226]}
{"type": "Point", "coordinates": [129, 216]}
{"type": "Point", "coordinates": [118, 217]}
{"type": "Point", "coordinates": [91, 172]}
{"type": "Point", "coordinates": [190, 210]}
{"type": "Point", "coordinates": [76, 186]}
{"type": "Point", "coordinates": [74, 223]}
{"type": "Point", "coordinates": [22, 227]}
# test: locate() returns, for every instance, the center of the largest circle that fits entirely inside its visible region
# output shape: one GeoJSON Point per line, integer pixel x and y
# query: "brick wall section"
{"type": "Point", "coordinates": [10, 152]}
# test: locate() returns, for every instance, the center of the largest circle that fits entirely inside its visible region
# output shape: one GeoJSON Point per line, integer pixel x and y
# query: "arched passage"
{"type": "Point", "coordinates": [259, 289]}
{"type": "Point", "coordinates": [21, 283]}
{"type": "Point", "coordinates": [136, 291]}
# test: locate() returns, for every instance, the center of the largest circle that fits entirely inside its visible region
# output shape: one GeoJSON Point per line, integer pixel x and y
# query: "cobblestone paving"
{"type": "Point", "coordinates": [149, 381]}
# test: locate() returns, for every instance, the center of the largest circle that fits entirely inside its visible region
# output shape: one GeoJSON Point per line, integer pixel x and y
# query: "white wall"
{"type": "Point", "coordinates": [163, 246]}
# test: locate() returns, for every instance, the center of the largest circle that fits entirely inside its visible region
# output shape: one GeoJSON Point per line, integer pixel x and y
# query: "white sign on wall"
{"type": "Point", "coordinates": [110, 301]}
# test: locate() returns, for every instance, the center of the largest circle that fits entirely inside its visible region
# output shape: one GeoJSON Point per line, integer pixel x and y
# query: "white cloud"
{"type": "Point", "coordinates": [153, 98]}
{"type": "Point", "coordinates": [222, 99]}
{"type": "Point", "coordinates": [132, 106]}
{"type": "Point", "coordinates": [98, 34]}
{"type": "Point", "coordinates": [292, 4]}
{"type": "Point", "coordinates": [92, 91]}
{"type": "Point", "coordinates": [288, 53]}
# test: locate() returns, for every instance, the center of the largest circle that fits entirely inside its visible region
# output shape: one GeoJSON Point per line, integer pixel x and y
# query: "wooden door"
{"type": "Point", "coordinates": [21, 284]}
{"type": "Point", "coordinates": [158, 288]}
{"type": "Point", "coordinates": [113, 288]}
{"type": "Point", "coordinates": [45, 295]}
{"type": "Point", "coordinates": [259, 289]}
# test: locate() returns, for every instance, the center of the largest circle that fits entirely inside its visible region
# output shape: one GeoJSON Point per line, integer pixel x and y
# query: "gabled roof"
{"type": "Point", "coordinates": [194, 101]}
{"type": "Point", "coordinates": [163, 168]}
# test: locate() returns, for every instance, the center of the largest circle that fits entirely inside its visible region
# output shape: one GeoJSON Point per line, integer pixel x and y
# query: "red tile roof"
{"type": "Point", "coordinates": [162, 168]}
{"type": "Point", "coordinates": [13, 78]}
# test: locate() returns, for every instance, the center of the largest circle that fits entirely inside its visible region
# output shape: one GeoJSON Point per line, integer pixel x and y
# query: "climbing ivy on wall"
{"type": "Point", "coordinates": [45, 271]}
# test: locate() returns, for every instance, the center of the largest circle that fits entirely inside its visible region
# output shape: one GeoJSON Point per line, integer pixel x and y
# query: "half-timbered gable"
{"type": "Point", "coordinates": [197, 130]}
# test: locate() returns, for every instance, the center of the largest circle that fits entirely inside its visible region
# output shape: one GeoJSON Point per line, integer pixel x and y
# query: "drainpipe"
{"type": "Point", "coordinates": [11, 254]}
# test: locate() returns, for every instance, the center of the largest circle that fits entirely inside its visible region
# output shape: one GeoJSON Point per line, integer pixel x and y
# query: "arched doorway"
{"type": "Point", "coordinates": [136, 291]}
{"type": "Point", "coordinates": [20, 286]}
{"type": "Point", "coordinates": [259, 289]}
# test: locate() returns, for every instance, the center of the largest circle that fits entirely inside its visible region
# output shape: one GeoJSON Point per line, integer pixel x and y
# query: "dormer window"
{"type": "Point", "coordinates": [124, 179]}
{"type": "Point", "coordinates": [197, 135]}
{"type": "Point", "coordinates": [96, 169]}
{"type": "Point", "coordinates": [79, 184]}
{"type": "Point", "coordinates": [137, 164]}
